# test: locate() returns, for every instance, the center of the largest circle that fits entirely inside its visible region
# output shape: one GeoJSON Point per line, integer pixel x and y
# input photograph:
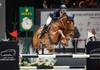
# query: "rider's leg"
{"type": "Point", "coordinates": [45, 28]}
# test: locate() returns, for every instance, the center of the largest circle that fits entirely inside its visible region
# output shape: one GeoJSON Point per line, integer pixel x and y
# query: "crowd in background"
{"type": "Point", "coordinates": [71, 3]}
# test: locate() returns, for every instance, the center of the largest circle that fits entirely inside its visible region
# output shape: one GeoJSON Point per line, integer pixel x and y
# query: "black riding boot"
{"type": "Point", "coordinates": [45, 28]}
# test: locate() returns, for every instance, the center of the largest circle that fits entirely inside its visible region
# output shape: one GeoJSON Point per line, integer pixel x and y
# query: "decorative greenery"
{"type": "Point", "coordinates": [24, 63]}
{"type": "Point", "coordinates": [44, 63]}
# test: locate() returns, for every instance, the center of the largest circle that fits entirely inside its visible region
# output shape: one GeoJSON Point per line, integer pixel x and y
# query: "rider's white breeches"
{"type": "Point", "coordinates": [48, 20]}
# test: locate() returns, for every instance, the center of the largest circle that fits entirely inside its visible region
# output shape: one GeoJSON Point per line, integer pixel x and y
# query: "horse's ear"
{"type": "Point", "coordinates": [71, 17]}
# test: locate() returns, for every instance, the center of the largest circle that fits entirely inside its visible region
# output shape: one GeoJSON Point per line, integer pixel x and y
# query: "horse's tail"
{"type": "Point", "coordinates": [36, 40]}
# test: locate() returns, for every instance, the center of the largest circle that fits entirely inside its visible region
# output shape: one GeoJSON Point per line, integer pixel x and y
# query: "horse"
{"type": "Point", "coordinates": [59, 31]}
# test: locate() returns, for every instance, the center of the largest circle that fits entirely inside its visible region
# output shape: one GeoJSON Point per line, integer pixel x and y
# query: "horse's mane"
{"type": "Point", "coordinates": [63, 17]}
{"type": "Point", "coordinates": [59, 21]}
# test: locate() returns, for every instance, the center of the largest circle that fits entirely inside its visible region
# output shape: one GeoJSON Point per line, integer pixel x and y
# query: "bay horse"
{"type": "Point", "coordinates": [58, 31]}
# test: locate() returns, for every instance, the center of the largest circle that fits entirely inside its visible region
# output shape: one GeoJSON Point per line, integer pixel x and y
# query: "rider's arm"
{"type": "Point", "coordinates": [55, 15]}
{"type": "Point", "coordinates": [55, 18]}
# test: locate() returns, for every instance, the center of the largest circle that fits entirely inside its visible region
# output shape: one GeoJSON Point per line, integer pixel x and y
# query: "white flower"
{"type": "Point", "coordinates": [44, 61]}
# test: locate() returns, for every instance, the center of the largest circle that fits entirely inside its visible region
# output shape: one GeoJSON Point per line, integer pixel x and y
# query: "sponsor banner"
{"type": "Point", "coordinates": [9, 55]}
{"type": "Point", "coordinates": [26, 18]}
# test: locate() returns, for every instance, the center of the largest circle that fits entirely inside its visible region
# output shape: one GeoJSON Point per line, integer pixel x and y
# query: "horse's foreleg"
{"type": "Point", "coordinates": [60, 31]}
{"type": "Point", "coordinates": [64, 49]}
{"type": "Point", "coordinates": [51, 49]}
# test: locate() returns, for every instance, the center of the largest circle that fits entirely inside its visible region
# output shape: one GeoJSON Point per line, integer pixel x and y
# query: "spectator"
{"type": "Point", "coordinates": [82, 4]}
{"type": "Point", "coordinates": [45, 4]}
{"type": "Point", "coordinates": [66, 2]}
{"type": "Point", "coordinates": [75, 38]}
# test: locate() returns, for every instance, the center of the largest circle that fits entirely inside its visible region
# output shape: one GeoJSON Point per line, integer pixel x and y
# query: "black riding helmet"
{"type": "Point", "coordinates": [63, 8]}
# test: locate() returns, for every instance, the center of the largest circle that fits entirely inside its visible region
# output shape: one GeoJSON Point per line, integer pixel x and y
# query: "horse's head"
{"type": "Point", "coordinates": [69, 28]}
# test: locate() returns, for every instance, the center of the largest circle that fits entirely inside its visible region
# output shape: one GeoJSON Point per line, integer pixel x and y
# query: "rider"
{"type": "Point", "coordinates": [53, 16]}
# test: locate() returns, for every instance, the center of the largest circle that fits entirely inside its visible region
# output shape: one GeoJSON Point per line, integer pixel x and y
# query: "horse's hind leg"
{"type": "Point", "coordinates": [42, 50]}
{"type": "Point", "coordinates": [42, 47]}
{"type": "Point", "coordinates": [37, 51]}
